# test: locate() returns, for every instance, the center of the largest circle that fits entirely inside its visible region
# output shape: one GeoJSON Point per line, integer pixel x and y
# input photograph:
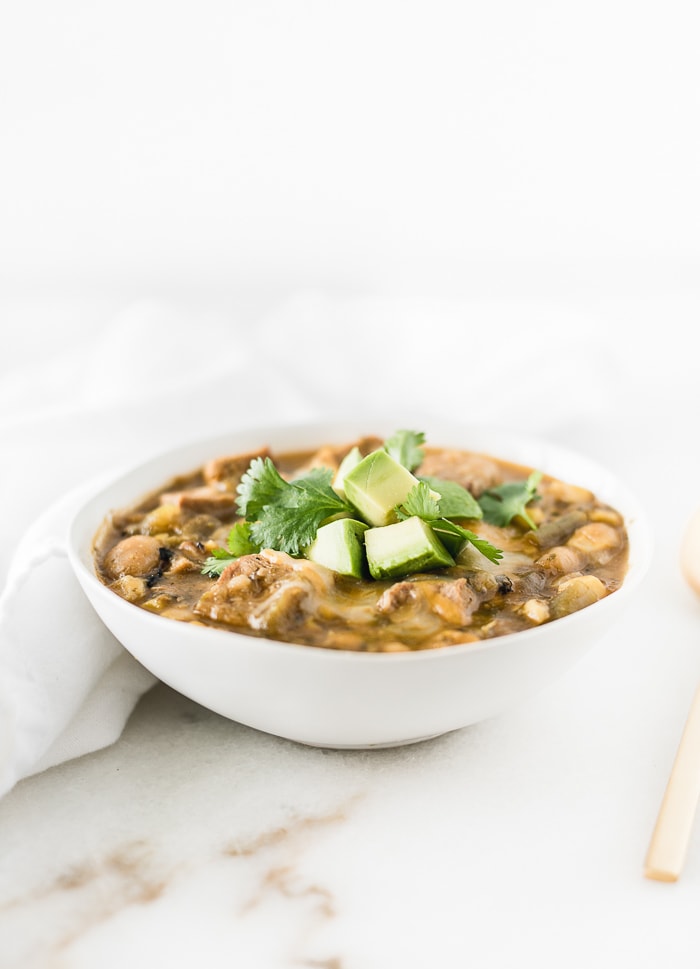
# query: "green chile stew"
{"type": "Point", "coordinates": [521, 548]}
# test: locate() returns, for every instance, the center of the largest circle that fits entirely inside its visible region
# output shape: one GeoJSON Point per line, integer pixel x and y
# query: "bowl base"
{"type": "Point", "coordinates": [380, 746]}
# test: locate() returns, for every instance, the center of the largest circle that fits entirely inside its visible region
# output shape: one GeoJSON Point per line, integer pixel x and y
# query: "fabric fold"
{"type": "Point", "coordinates": [57, 696]}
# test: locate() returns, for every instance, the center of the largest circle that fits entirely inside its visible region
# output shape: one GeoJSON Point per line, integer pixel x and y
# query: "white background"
{"type": "Point", "coordinates": [231, 153]}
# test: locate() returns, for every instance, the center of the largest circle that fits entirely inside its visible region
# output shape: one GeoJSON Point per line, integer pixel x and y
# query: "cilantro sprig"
{"type": "Point", "coordinates": [422, 503]}
{"type": "Point", "coordinates": [452, 534]}
{"type": "Point", "coordinates": [455, 501]}
{"type": "Point", "coordinates": [500, 505]}
{"type": "Point", "coordinates": [405, 447]}
{"type": "Point", "coordinates": [261, 485]}
{"type": "Point", "coordinates": [238, 543]}
{"type": "Point", "coordinates": [285, 515]}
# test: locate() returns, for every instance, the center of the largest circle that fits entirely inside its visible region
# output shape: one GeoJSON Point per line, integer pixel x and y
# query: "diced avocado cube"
{"type": "Point", "coordinates": [339, 546]}
{"type": "Point", "coordinates": [376, 485]}
{"type": "Point", "coordinates": [351, 460]}
{"type": "Point", "coordinates": [408, 546]}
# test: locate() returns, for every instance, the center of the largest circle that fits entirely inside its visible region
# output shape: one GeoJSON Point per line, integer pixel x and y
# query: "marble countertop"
{"type": "Point", "coordinates": [195, 841]}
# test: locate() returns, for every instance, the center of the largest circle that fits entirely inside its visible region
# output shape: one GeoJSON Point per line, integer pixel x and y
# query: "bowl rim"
{"type": "Point", "coordinates": [87, 518]}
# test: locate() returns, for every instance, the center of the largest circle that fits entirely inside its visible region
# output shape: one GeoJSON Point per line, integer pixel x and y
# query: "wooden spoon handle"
{"type": "Point", "coordinates": [690, 552]}
{"type": "Point", "coordinates": [669, 841]}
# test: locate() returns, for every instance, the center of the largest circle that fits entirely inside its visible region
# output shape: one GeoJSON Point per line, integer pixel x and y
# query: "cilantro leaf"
{"type": "Point", "coordinates": [317, 483]}
{"type": "Point", "coordinates": [502, 504]}
{"type": "Point", "coordinates": [215, 564]}
{"type": "Point", "coordinates": [455, 501]}
{"type": "Point", "coordinates": [285, 515]}
{"type": "Point", "coordinates": [404, 447]}
{"type": "Point", "coordinates": [419, 501]}
{"type": "Point", "coordinates": [238, 543]}
{"type": "Point", "coordinates": [261, 485]}
{"type": "Point", "coordinates": [448, 531]}
{"type": "Point", "coordinates": [292, 523]}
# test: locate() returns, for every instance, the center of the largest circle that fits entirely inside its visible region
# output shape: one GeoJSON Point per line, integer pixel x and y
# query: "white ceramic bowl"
{"type": "Point", "coordinates": [334, 698]}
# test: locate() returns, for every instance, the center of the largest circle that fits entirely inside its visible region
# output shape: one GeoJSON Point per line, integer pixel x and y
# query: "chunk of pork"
{"type": "Point", "coordinates": [475, 472]}
{"type": "Point", "coordinates": [268, 591]}
{"type": "Point", "coordinates": [203, 500]}
{"type": "Point", "coordinates": [452, 600]}
{"type": "Point", "coordinates": [226, 472]}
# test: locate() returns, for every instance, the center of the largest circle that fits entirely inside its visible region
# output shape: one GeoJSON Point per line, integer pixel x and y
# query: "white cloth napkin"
{"type": "Point", "coordinates": [67, 684]}
{"type": "Point", "coordinates": [157, 376]}
{"type": "Point", "coordinates": [138, 384]}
